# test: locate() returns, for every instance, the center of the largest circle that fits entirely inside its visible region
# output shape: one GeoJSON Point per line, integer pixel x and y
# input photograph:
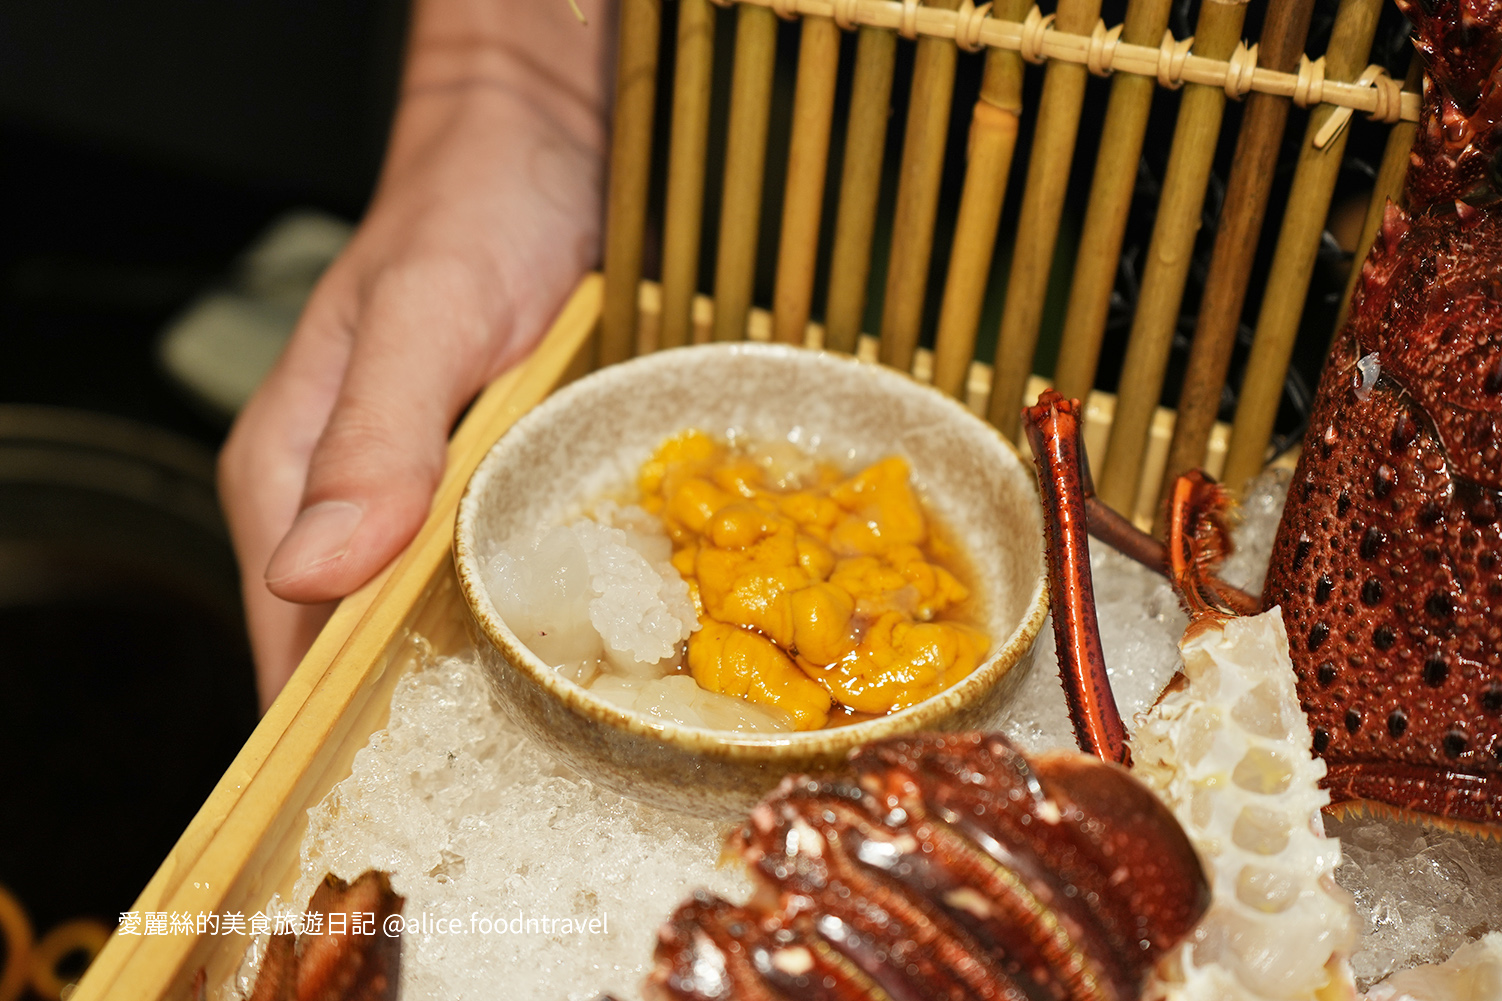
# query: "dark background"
{"type": "Point", "coordinates": [143, 145]}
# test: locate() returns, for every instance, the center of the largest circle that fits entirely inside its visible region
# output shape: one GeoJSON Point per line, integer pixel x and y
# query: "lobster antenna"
{"type": "Point", "coordinates": [1053, 430]}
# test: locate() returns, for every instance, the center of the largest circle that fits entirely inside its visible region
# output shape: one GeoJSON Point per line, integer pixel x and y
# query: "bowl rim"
{"type": "Point", "coordinates": [729, 744]}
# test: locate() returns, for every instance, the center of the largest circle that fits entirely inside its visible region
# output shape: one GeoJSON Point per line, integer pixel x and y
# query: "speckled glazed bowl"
{"type": "Point", "coordinates": [590, 438]}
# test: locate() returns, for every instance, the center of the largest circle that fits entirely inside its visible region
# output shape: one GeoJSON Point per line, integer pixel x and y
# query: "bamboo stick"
{"type": "Point", "coordinates": [684, 213]}
{"type": "Point", "coordinates": [993, 137]}
{"type": "Point", "coordinates": [630, 170]}
{"type": "Point", "coordinates": [745, 157]}
{"type": "Point", "coordinates": [1172, 248]}
{"type": "Point", "coordinates": [1038, 225]}
{"type": "Point", "coordinates": [1110, 202]}
{"type": "Point", "coordinates": [860, 186]}
{"type": "Point", "coordinates": [921, 172]}
{"type": "Point", "coordinates": [919, 176]}
{"type": "Point", "coordinates": [1293, 261]}
{"type": "Point", "coordinates": [803, 197]}
{"type": "Point", "coordinates": [1245, 207]}
{"type": "Point", "coordinates": [1388, 186]}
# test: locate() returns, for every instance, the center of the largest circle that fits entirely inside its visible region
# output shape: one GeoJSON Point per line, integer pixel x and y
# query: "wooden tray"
{"type": "Point", "coordinates": [243, 845]}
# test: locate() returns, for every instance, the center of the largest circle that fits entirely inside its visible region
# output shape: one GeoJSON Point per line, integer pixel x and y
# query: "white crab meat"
{"type": "Point", "coordinates": [1228, 749]}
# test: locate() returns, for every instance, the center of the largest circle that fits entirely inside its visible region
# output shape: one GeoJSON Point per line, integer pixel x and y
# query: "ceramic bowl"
{"type": "Point", "coordinates": [590, 437]}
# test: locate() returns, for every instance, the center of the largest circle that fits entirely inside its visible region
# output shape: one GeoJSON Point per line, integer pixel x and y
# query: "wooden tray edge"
{"type": "Point", "coordinates": [294, 755]}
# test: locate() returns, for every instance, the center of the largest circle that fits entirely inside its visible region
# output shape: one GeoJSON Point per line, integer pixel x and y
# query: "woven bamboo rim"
{"type": "Point", "coordinates": [1102, 52]}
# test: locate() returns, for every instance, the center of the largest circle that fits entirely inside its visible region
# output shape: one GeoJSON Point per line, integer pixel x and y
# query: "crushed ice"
{"type": "Point", "coordinates": [478, 825]}
{"type": "Point", "coordinates": [1421, 892]}
{"type": "Point", "coordinates": [475, 823]}
{"type": "Point", "coordinates": [598, 593]}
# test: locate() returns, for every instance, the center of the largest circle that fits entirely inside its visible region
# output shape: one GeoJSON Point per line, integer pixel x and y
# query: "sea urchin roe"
{"type": "Point", "coordinates": [813, 589]}
{"type": "Point", "coordinates": [735, 661]}
{"type": "Point", "coordinates": [899, 663]}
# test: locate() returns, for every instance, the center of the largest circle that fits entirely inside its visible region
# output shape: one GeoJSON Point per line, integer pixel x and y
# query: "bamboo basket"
{"type": "Point", "coordinates": [243, 844]}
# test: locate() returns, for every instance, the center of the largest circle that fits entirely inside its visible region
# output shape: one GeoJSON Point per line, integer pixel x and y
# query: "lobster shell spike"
{"type": "Point", "coordinates": [945, 867]}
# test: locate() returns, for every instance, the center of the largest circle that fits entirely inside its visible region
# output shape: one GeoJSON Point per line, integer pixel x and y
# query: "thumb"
{"type": "Point", "coordinates": [421, 351]}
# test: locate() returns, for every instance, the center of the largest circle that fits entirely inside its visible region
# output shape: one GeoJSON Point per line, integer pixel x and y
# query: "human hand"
{"type": "Point", "coordinates": [486, 215]}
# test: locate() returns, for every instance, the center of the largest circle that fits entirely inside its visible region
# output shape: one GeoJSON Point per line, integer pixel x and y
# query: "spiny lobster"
{"type": "Point", "coordinates": [951, 866]}
{"type": "Point", "coordinates": [1388, 560]}
{"type": "Point", "coordinates": [1388, 567]}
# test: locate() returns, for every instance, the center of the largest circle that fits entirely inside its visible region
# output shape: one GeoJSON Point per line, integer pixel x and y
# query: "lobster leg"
{"type": "Point", "coordinates": [1053, 429]}
{"type": "Point", "coordinates": [1196, 502]}
{"type": "Point", "coordinates": [1198, 539]}
{"type": "Point", "coordinates": [1118, 532]}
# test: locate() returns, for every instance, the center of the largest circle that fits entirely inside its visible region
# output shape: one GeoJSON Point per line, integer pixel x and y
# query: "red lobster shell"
{"type": "Point", "coordinates": [1388, 561]}
{"type": "Point", "coordinates": [944, 867]}
{"type": "Point", "coordinates": [349, 964]}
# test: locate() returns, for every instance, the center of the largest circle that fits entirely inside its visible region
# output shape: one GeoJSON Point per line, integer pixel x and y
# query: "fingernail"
{"type": "Point", "coordinates": [320, 533]}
